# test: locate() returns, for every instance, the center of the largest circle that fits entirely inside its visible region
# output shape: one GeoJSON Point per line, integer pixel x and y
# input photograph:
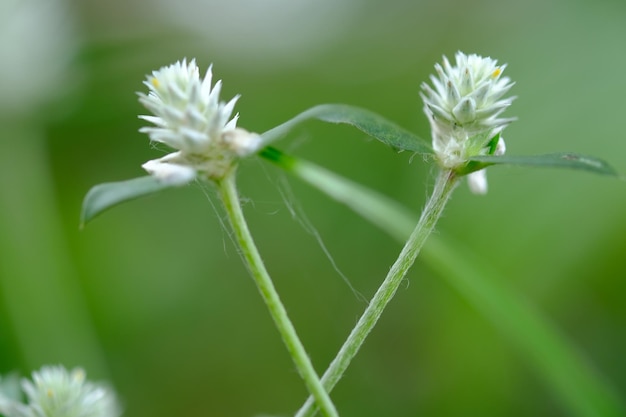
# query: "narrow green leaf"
{"type": "Point", "coordinates": [375, 207]}
{"type": "Point", "coordinates": [553, 160]}
{"type": "Point", "coordinates": [104, 196]}
{"type": "Point", "coordinates": [580, 388]}
{"type": "Point", "coordinates": [564, 369]}
{"type": "Point", "coordinates": [368, 122]}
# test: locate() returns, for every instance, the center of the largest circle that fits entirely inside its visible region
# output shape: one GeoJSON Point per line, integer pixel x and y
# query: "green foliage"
{"type": "Point", "coordinates": [554, 357]}
{"type": "Point", "coordinates": [375, 207]}
{"type": "Point", "coordinates": [554, 160]}
{"type": "Point", "coordinates": [557, 242]}
{"type": "Point", "coordinates": [107, 195]}
{"type": "Point", "coordinates": [366, 121]}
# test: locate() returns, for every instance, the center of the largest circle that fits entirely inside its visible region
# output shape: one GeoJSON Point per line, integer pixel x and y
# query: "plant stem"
{"type": "Point", "coordinates": [230, 199]}
{"type": "Point", "coordinates": [444, 185]}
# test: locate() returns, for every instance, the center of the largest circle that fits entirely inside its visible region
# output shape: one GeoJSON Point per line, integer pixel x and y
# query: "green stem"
{"type": "Point", "coordinates": [230, 199]}
{"type": "Point", "coordinates": [444, 185]}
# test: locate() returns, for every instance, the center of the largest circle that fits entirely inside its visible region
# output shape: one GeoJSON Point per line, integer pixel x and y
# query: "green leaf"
{"type": "Point", "coordinates": [553, 160]}
{"type": "Point", "coordinates": [368, 122]}
{"type": "Point", "coordinates": [564, 369]}
{"type": "Point", "coordinates": [581, 390]}
{"type": "Point", "coordinates": [375, 207]}
{"type": "Point", "coordinates": [104, 196]}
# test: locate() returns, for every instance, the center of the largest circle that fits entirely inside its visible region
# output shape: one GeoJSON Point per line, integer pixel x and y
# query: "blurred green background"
{"type": "Point", "coordinates": [153, 297]}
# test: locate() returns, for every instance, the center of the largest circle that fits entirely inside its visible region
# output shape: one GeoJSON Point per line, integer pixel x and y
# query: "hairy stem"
{"type": "Point", "coordinates": [230, 199]}
{"type": "Point", "coordinates": [444, 185]}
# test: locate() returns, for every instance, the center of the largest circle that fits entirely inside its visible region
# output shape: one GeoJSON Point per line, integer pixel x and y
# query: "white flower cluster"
{"type": "Point", "coordinates": [189, 118]}
{"type": "Point", "coordinates": [55, 392]}
{"type": "Point", "coordinates": [464, 106]}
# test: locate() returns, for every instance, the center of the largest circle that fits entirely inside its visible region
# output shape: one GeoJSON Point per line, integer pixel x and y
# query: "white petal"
{"type": "Point", "coordinates": [168, 173]}
{"type": "Point", "coordinates": [206, 82]}
{"type": "Point", "coordinates": [213, 98]}
{"type": "Point", "coordinates": [173, 158]}
{"type": "Point", "coordinates": [465, 111]}
{"type": "Point", "coordinates": [242, 142]}
{"type": "Point", "coordinates": [153, 119]}
{"type": "Point", "coordinates": [227, 110]}
{"type": "Point", "coordinates": [194, 141]}
{"type": "Point", "coordinates": [232, 124]}
{"type": "Point", "coordinates": [477, 182]}
{"type": "Point", "coordinates": [167, 136]}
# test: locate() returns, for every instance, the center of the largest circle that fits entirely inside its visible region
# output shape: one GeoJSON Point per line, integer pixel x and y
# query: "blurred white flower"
{"type": "Point", "coordinates": [189, 118]}
{"type": "Point", "coordinates": [37, 42]}
{"type": "Point", "coordinates": [55, 392]}
{"type": "Point", "coordinates": [270, 34]}
{"type": "Point", "coordinates": [463, 107]}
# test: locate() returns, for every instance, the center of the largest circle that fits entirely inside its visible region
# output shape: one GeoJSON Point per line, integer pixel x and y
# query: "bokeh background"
{"type": "Point", "coordinates": [153, 297]}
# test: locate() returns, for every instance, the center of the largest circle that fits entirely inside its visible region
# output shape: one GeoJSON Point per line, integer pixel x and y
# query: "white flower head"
{"type": "Point", "coordinates": [190, 118]}
{"type": "Point", "coordinates": [55, 392]}
{"type": "Point", "coordinates": [464, 106]}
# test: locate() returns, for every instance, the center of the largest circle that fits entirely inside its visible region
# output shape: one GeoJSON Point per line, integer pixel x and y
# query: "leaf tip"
{"type": "Point", "coordinates": [104, 196]}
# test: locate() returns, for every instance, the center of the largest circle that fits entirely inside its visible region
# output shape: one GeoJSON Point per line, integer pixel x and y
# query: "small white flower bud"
{"type": "Point", "coordinates": [477, 182]}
